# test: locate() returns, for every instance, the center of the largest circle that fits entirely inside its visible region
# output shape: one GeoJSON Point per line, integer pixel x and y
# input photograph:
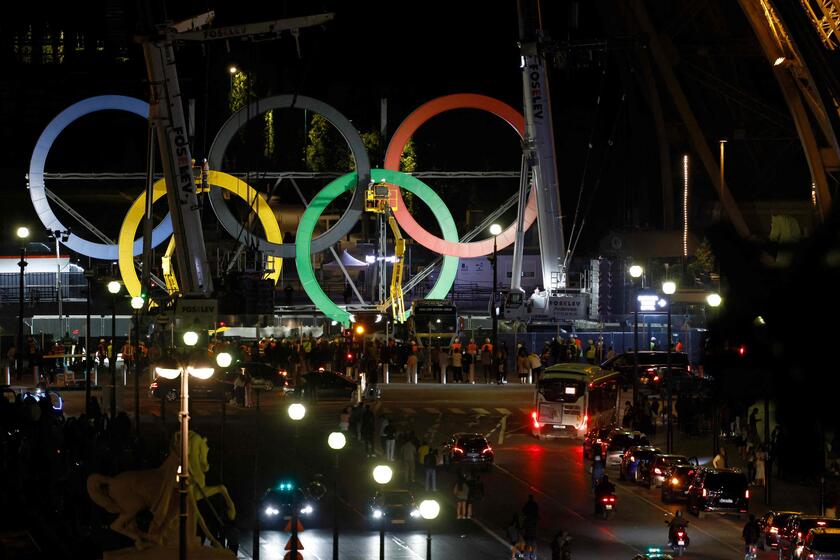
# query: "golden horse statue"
{"type": "Point", "coordinates": [130, 492]}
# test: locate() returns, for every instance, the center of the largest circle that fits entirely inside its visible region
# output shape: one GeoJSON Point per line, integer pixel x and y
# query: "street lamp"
{"type": "Point", "coordinates": [113, 287]}
{"type": "Point", "coordinates": [336, 441]}
{"type": "Point", "coordinates": [23, 235]}
{"type": "Point", "coordinates": [429, 510]}
{"type": "Point", "coordinates": [137, 304]}
{"type": "Point", "coordinates": [669, 288]}
{"type": "Point", "coordinates": [63, 236]}
{"type": "Point", "coordinates": [714, 300]}
{"type": "Point", "coordinates": [495, 230]}
{"type": "Point", "coordinates": [382, 475]}
{"type": "Point", "coordinates": [636, 272]}
{"type": "Point", "coordinates": [171, 369]}
{"type": "Point", "coordinates": [296, 412]}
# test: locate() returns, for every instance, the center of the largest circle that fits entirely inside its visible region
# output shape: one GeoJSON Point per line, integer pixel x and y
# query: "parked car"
{"type": "Point", "coordinates": [793, 534]}
{"type": "Point", "coordinates": [662, 463]}
{"type": "Point", "coordinates": [468, 449]}
{"type": "Point", "coordinates": [718, 491]}
{"type": "Point", "coordinates": [677, 481]}
{"type": "Point", "coordinates": [264, 377]}
{"type": "Point", "coordinates": [618, 441]}
{"type": "Point", "coordinates": [593, 440]}
{"type": "Point", "coordinates": [771, 523]}
{"type": "Point", "coordinates": [327, 385]}
{"type": "Point", "coordinates": [636, 461]}
{"type": "Point", "coordinates": [214, 389]}
{"type": "Point", "coordinates": [393, 507]}
{"type": "Point", "coordinates": [821, 544]}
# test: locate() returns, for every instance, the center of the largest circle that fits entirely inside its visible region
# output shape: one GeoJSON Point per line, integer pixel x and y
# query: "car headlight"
{"type": "Point", "coordinates": [306, 509]}
{"type": "Point", "coordinates": [271, 511]}
{"type": "Point", "coordinates": [415, 513]}
{"type": "Point", "coordinates": [377, 514]}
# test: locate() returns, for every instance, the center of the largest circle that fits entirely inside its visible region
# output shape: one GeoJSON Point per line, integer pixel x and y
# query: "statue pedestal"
{"type": "Point", "coordinates": [169, 553]}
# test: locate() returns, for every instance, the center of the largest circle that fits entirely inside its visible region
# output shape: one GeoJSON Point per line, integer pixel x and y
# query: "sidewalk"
{"type": "Point", "coordinates": [785, 495]}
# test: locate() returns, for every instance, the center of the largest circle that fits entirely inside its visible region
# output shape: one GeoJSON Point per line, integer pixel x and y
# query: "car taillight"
{"type": "Point", "coordinates": [154, 385]}
{"type": "Point", "coordinates": [655, 378]}
{"type": "Point", "coordinates": [675, 481]}
{"type": "Point", "coordinates": [747, 493]}
{"type": "Point", "coordinates": [680, 534]}
{"type": "Point", "coordinates": [457, 449]}
{"type": "Point", "coordinates": [608, 499]}
{"type": "Point", "coordinates": [705, 492]}
{"type": "Point", "coordinates": [657, 470]}
{"type": "Point", "coordinates": [774, 530]}
{"type": "Point", "coordinates": [487, 449]}
{"type": "Point", "coordinates": [632, 459]}
{"type": "Point", "coordinates": [534, 419]}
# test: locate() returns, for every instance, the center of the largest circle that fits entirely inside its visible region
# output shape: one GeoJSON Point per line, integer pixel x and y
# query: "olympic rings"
{"type": "Point", "coordinates": [215, 178]}
{"type": "Point", "coordinates": [392, 161]}
{"type": "Point", "coordinates": [37, 189]}
{"type": "Point", "coordinates": [303, 262]}
{"type": "Point", "coordinates": [347, 220]}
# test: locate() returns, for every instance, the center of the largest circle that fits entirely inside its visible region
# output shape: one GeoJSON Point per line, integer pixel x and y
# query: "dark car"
{"type": "Point", "coordinates": [393, 507]}
{"type": "Point", "coordinates": [468, 449]}
{"type": "Point", "coordinates": [821, 544]}
{"type": "Point", "coordinates": [677, 481]}
{"type": "Point", "coordinates": [213, 389]}
{"type": "Point", "coordinates": [264, 377]}
{"type": "Point", "coordinates": [650, 364]}
{"type": "Point", "coordinates": [636, 462]}
{"type": "Point", "coordinates": [660, 466]}
{"type": "Point", "coordinates": [619, 441]}
{"type": "Point", "coordinates": [771, 524]}
{"type": "Point", "coordinates": [323, 385]}
{"type": "Point", "coordinates": [718, 491]}
{"type": "Point", "coordinates": [277, 503]}
{"type": "Point", "coordinates": [594, 440]}
{"type": "Point", "coordinates": [793, 534]}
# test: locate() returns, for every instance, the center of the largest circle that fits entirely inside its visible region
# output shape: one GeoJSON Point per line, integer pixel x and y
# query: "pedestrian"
{"type": "Point", "coordinates": [760, 462]}
{"type": "Point", "coordinates": [344, 419]}
{"type": "Point", "coordinates": [530, 519]}
{"type": "Point", "coordinates": [475, 492]}
{"type": "Point", "coordinates": [430, 468]}
{"type": "Point", "coordinates": [486, 359]}
{"type": "Point", "coordinates": [753, 423]}
{"type": "Point", "coordinates": [627, 418]}
{"type": "Point", "coordinates": [443, 363]}
{"type": "Point", "coordinates": [501, 366]}
{"type": "Point", "coordinates": [461, 493]}
{"type": "Point", "coordinates": [514, 537]}
{"type": "Point", "coordinates": [248, 395]}
{"type": "Point", "coordinates": [456, 355]}
{"type": "Point", "coordinates": [523, 365]}
{"type": "Point", "coordinates": [408, 455]}
{"type": "Point", "coordinates": [719, 462]}
{"type": "Point", "coordinates": [536, 366]}
{"type": "Point", "coordinates": [390, 440]}
{"type": "Point", "coordinates": [239, 390]}
{"type": "Point", "coordinates": [356, 421]}
{"type": "Point", "coordinates": [411, 367]}
{"type": "Point", "coordinates": [368, 426]}
{"type": "Point", "coordinates": [382, 426]}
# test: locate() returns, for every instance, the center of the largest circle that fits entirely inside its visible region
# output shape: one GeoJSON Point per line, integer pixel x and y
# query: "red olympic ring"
{"type": "Point", "coordinates": [392, 161]}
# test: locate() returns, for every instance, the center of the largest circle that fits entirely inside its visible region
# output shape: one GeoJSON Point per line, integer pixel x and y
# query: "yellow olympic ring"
{"type": "Point", "coordinates": [218, 179]}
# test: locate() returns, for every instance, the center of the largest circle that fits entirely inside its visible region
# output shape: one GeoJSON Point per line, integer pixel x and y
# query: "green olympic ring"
{"type": "Point", "coordinates": [345, 183]}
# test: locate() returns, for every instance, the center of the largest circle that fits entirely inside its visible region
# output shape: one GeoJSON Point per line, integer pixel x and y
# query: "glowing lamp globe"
{"type": "Point", "coordinates": [669, 287]}
{"type": "Point", "coordinates": [223, 359]}
{"type": "Point", "coordinates": [429, 509]}
{"type": "Point", "coordinates": [382, 474]}
{"type": "Point", "coordinates": [297, 411]}
{"type": "Point", "coordinates": [636, 271]}
{"type": "Point", "coordinates": [190, 338]}
{"type": "Point", "coordinates": [336, 440]}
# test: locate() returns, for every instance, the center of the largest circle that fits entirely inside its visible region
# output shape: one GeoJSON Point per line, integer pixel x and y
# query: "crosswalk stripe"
{"type": "Point", "coordinates": [481, 410]}
{"type": "Point", "coordinates": [432, 410]}
{"type": "Point", "coordinates": [456, 411]}
{"type": "Point", "coordinates": [503, 411]}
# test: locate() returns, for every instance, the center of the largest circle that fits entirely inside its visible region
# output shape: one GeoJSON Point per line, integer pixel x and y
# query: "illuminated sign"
{"type": "Point", "coordinates": [647, 302]}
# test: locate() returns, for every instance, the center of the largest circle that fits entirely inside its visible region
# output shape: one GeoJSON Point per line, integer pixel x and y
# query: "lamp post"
{"type": "Point", "coordinates": [113, 287]}
{"type": "Point", "coordinates": [296, 412]}
{"type": "Point", "coordinates": [23, 235]}
{"type": "Point", "coordinates": [336, 441]}
{"type": "Point", "coordinates": [137, 304]}
{"type": "Point", "coordinates": [429, 510]}
{"type": "Point", "coordinates": [382, 474]}
{"type": "Point", "coordinates": [636, 272]}
{"type": "Point", "coordinates": [170, 369]}
{"type": "Point", "coordinates": [669, 288]}
{"type": "Point", "coordinates": [714, 300]}
{"type": "Point", "coordinates": [495, 230]}
{"type": "Point", "coordinates": [63, 236]}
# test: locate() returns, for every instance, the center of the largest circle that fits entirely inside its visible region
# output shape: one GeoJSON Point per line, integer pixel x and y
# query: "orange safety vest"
{"type": "Point", "coordinates": [472, 348]}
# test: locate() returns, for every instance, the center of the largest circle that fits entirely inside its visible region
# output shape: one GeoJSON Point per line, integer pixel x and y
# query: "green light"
{"type": "Point", "coordinates": [285, 487]}
{"type": "Point", "coordinates": [345, 183]}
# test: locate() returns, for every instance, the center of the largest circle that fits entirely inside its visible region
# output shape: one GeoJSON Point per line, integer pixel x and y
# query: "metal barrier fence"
{"type": "Point", "coordinates": [40, 287]}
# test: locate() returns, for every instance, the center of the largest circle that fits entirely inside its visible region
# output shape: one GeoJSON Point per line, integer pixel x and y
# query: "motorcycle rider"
{"type": "Point", "coordinates": [751, 533]}
{"type": "Point", "coordinates": [603, 488]}
{"type": "Point", "coordinates": [677, 522]}
{"type": "Point", "coordinates": [597, 470]}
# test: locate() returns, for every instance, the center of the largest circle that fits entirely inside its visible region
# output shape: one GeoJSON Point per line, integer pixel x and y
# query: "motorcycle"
{"type": "Point", "coordinates": [752, 553]}
{"type": "Point", "coordinates": [607, 503]}
{"type": "Point", "coordinates": [678, 538]}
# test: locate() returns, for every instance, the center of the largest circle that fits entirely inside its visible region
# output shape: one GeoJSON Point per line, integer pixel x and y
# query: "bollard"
{"type": "Point", "coordinates": [8, 376]}
{"type": "Point", "coordinates": [385, 374]}
{"type": "Point", "coordinates": [443, 375]}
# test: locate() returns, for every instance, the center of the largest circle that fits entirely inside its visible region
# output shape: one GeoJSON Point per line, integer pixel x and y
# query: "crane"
{"type": "Point", "coordinates": [381, 198]}
{"type": "Point", "coordinates": [166, 114]}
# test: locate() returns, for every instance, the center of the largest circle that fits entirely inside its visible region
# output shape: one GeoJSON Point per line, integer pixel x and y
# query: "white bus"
{"type": "Point", "coordinates": [561, 400]}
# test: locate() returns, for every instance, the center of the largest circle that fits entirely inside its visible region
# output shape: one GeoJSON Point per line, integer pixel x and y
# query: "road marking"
{"type": "Point", "coordinates": [457, 411]}
{"type": "Point", "coordinates": [405, 547]}
{"type": "Point", "coordinates": [481, 411]}
{"type": "Point", "coordinates": [492, 533]}
{"type": "Point", "coordinates": [503, 425]}
{"type": "Point", "coordinates": [504, 411]}
{"type": "Point", "coordinates": [432, 410]}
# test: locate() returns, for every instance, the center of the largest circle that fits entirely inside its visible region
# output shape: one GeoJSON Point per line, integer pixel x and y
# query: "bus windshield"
{"type": "Point", "coordinates": [561, 390]}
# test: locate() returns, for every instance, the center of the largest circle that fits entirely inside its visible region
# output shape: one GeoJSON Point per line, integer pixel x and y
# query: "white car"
{"type": "Point", "coordinates": [618, 441]}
